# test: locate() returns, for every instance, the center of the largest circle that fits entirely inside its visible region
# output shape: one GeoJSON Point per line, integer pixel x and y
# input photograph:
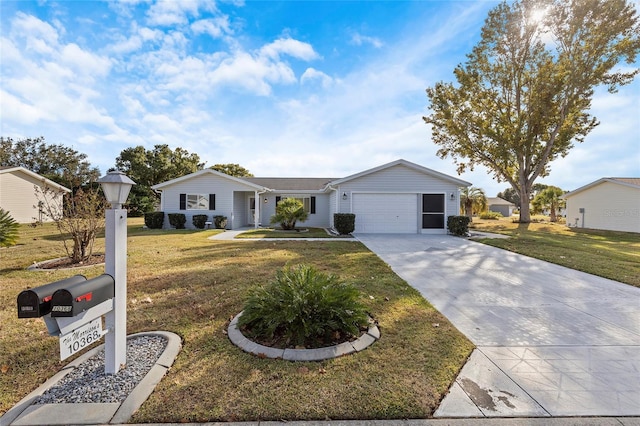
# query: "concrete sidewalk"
{"type": "Point", "coordinates": [551, 341]}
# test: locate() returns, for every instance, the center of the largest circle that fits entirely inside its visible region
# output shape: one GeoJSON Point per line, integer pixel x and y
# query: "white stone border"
{"type": "Point", "coordinates": [319, 354]}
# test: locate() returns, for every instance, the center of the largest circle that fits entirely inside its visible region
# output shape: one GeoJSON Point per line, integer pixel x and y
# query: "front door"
{"type": "Point", "coordinates": [432, 212]}
{"type": "Point", "coordinates": [252, 211]}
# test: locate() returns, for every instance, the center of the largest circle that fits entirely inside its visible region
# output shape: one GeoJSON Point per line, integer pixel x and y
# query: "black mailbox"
{"type": "Point", "coordinates": [77, 298]}
{"type": "Point", "coordinates": [36, 302]}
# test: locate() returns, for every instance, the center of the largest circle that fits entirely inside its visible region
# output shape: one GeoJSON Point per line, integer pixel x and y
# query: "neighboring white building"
{"type": "Point", "coordinates": [609, 203]}
{"type": "Point", "coordinates": [499, 205]}
{"type": "Point", "coordinates": [398, 197]}
{"type": "Point", "coordinates": [18, 195]}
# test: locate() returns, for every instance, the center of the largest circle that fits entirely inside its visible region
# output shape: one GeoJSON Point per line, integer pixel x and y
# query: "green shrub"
{"type": "Point", "coordinates": [154, 220]}
{"type": "Point", "coordinates": [199, 220]}
{"type": "Point", "coordinates": [288, 212]}
{"type": "Point", "coordinates": [345, 223]}
{"type": "Point", "coordinates": [490, 215]}
{"type": "Point", "coordinates": [220, 221]}
{"type": "Point", "coordinates": [303, 307]}
{"type": "Point", "coordinates": [8, 229]}
{"type": "Point", "coordinates": [177, 220]}
{"type": "Point", "coordinates": [458, 225]}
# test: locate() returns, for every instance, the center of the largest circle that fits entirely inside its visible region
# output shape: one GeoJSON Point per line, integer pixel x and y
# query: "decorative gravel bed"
{"type": "Point", "coordinates": [88, 382]}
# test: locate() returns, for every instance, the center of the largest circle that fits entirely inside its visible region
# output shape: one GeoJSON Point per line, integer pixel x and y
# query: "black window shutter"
{"type": "Point", "coordinates": [183, 201]}
{"type": "Point", "coordinates": [278, 198]}
{"type": "Point", "coordinates": [313, 205]}
{"type": "Point", "coordinates": [212, 201]}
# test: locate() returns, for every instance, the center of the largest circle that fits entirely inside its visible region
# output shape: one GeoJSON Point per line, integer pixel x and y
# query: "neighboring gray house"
{"type": "Point", "coordinates": [18, 194]}
{"type": "Point", "coordinates": [398, 197]}
{"type": "Point", "coordinates": [609, 203]}
{"type": "Point", "coordinates": [499, 205]}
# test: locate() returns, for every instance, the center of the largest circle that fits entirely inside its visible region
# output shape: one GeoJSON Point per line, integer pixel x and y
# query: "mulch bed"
{"type": "Point", "coordinates": [66, 262]}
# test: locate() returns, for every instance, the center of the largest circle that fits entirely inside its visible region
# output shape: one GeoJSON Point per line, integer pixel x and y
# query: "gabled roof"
{"type": "Point", "coordinates": [629, 182]}
{"type": "Point", "coordinates": [497, 201]}
{"type": "Point", "coordinates": [202, 172]}
{"type": "Point", "coordinates": [291, 184]}
{"type": "Point", "coordinates": [44, 180]}
{"type": "Point", "coordinates": [408, 164]}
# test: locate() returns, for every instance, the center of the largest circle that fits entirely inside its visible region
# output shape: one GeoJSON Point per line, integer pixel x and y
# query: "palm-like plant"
{"type": "Point", "coordinates": [472, 199]}
{"type": "Point", "coordinates": [549, 198]}
{"type": "Point", "coordinates": [288, 212]}
{"type": "Point", "coordinates": [8, 229]}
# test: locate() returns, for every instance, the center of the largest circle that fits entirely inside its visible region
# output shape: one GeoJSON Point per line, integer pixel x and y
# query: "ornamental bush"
{"type": "Point", "coordinates": [220, 221]}
{"type": "Point", "coordinates": [8, 229]}
{"type": "Point", "coordinates": [491, 215]}
{"type": "Point", "coordinates": [177, 220]}
{"type": "Point", "coordinates": [345, 223]}
{"type": "Point", "coordinates": [199, 220]}
{"type": "Point", "coordinates": [458, 225]}
{"type": "Point", "coordinates": [288, 212]}
{"type": "Point", "coordinates": [154, 220]}
{"type": "Point", "coordinates": [303, 307]}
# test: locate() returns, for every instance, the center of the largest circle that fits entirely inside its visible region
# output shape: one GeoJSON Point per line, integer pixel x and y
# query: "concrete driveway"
{"type": "Point", "coordinates": [551, 341]}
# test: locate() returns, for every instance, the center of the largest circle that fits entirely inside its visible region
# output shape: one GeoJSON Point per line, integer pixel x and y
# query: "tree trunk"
{"type": "Point", "coordinates": [525, 214]}
{"type": "Point", "coordinates": [468, 209]}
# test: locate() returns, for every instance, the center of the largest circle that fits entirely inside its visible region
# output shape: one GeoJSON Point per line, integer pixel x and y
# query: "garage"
{"type": "Point", "coordinates": [386, 213]}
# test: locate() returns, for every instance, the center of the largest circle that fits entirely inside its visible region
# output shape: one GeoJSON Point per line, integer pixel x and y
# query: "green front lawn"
{"type": "Point", "coordinates": [609, 254]}
{"type": "Point", "coordinates": [180, 281]}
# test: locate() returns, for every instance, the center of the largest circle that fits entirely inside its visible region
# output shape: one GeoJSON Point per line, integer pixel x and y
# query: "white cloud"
{"type": "Point", "coordinates": [290, 47]}
{"type": "Point", "coordinates": [40, 37]}
{"type": "Point", "coordinates": [215, 27]}
{"type": "Point", "coordinates": [312, 74]}
{"type": "Point", "coordinates": [359, 40]}
{"type": "Point", "coordinates": [174, 12]}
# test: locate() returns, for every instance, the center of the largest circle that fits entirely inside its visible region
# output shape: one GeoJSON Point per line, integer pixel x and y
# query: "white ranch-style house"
{"type": "Point", "coordinates": [398, 197]}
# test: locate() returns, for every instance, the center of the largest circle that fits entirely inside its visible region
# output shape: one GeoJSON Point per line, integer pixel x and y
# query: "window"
{"type": "Point", "coordinates": [197, 201]}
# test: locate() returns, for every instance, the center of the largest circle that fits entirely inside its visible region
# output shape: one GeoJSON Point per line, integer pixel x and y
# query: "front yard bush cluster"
{"type": "Point", "coordinates": [458, 225]}
{"type": "Point", "coordinates": [345, 223]}
{"type": "Point", "coordinates": [199, 220]}
{"type": "Point", "coordinates": [491, 215]}
{"type": "Point", "coordinates": [303, 307]}
{"type": "Point", "coordinates": [154, 220]}
{"type": "Point", "coordinates": [177, 220]}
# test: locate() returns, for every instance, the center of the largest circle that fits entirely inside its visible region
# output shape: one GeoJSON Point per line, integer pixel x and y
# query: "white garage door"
{"type": "Point", "coordinates": [386, 213]}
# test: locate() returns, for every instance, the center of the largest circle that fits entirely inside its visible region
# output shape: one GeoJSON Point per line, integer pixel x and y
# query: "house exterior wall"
{"type": "Point", "coordinates": [224, 190]}
{"type": "Point", "coordinates": [502, 209]}
{"type": "Point", "coordinates": [18, 197]}
{"type": "Point", "coordinates": [607, 206]}
{"type": "Point", "coordinates": [319, 219]}
{"type": "Point", "coordinates": [398, 179]}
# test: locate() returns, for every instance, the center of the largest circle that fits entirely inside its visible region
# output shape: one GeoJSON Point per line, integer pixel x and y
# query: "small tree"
{"type": "Point", "coordinates": [78, 218]}
{"type": "Point", "coordinates": [549, 198]}
{"type": "Point", "coordinates": [288, 212]}
{"type": "Point", "coordinates": [8, 229]}
{"type": "Point", "coordinates": [472, 199]}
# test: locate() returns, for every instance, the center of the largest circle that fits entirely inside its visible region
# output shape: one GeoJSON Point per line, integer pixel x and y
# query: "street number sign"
{"type": "Point", "coordinates": [80, 338]}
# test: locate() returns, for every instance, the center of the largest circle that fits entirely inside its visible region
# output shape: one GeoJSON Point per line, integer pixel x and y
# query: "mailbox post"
{"type": "Point", "coordinates": [116, 187]}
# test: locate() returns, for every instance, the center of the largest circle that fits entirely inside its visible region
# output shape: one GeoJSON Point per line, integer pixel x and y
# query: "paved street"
{"type": "Point", "coordinates": [551, 341]}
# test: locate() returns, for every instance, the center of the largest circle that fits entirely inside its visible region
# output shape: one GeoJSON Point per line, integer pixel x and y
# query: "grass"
{"type": "Point", "coordinates": [609, 254]}
{"type": "Point", "coordinates": [299, 233]}
{"type": "Point", "coordinates": [180, 281]}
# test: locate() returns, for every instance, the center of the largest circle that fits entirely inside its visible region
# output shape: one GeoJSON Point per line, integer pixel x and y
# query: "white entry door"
{"type": "Point", "coordinates": [386, 213]}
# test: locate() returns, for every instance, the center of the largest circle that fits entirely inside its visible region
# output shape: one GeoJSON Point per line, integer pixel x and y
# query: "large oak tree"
{"type": "Point", "coordinates": [522, 98]}
{"type": "Point", "coordinates": [153, 166]}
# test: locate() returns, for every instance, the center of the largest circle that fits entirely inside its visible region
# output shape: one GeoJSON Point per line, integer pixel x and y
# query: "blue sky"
{"type": "Point", "coordinates": [293, 88]}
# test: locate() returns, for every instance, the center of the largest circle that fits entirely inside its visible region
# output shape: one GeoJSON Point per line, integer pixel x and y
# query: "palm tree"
{"type": "Point", "coordinates": [472, 199]}
{"type": "Point", "coordinates": [549, 198]}
{"type": "Point", "coordinates": [288, 212]}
